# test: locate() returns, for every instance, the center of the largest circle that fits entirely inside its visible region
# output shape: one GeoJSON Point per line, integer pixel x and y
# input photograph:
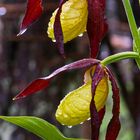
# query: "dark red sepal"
{"type": "Point", "coordinates": [58, 33]}
{"type": "Point", "coordinates": [96, 25]}
{"type": "Point", "coordinates": [95, 119]}
{"type": "Point", "coordinates": [114, 124]}
{"type": "Point", "coordinates": [35, 86]}
{"type": "Point", "coordinates": [42, 83]}
{"type": "Point", "coordinates": [33, 12]}
{"type": "Point", "coordinates": [101, 114]}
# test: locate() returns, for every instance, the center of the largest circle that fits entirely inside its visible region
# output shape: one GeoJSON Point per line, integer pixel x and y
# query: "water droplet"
{"type": "Point", "coordinates": [48, 32]}
{"type": "Point", "coordinates": [69, 126]}
{"type": "Point", "coordinates": [81, 122]}
{"type": "Point", "coordinates": [53, 40]}
{"type": "Point", "coordinates": [80, 35]}
{"type": "Point", "coordinates": [21, 32]}
{"type": "Point", "coordinates": [61, 101]}
{"type": "Point", "coordinates": [88, 119]}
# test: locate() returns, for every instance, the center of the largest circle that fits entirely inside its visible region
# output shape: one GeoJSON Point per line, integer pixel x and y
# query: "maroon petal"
{"type": "Point", "coordinates": [114, 124]}
{"type": "Point", "coordinates": [58, 30]}
{"type": "Point", "coordinates": [96, 25]}
{"type": "Point", "coordinates": [95, 119]}
{"type": "Point", "coordinates": [42, 83]}
{"type": "Point", "coordinates": [33, 12]}
{"type": "Point", "coordinates": [35, 86]}
{"type": "Point", "coordinates": [101, 114]}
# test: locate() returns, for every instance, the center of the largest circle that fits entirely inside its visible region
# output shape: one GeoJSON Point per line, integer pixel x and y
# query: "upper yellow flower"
{"type": "Point", "coordinates": [73, 19]}
{"type": "Point", "coordinates": [75, 107]}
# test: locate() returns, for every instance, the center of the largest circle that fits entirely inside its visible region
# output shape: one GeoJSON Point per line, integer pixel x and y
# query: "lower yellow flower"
{"type": "Point", "coordinates": [73, 19]}
{"type": "Point", "coordinates": [75, 107]}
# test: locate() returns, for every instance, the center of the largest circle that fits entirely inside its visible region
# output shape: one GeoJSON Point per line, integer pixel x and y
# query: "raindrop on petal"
{"type": "Point", "coordinates": [69, 126]}
{"type": "Point", "coordinates": [21, 32]}
{"type": "Point", "coordinates": [80, 35]}
{"type": "Point", "coordinates": [88, 119]}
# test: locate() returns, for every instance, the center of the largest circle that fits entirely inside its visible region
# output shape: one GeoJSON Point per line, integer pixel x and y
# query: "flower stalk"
{"type": "Point", "coordinates": [132, 23]}
{"type": "Point", "coordinates": [119, 56]}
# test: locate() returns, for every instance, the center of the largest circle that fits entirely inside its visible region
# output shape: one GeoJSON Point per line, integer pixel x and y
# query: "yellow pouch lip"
{"type": "Point", "coordinates": [68, 15]}
{"type": "Point", "coordinates": [74, 108]}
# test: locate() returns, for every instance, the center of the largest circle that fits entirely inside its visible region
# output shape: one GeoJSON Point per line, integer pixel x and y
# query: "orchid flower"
{"type": "Point", "coordinates": [69, 20]}
{"type": "Point", "coordinates": [86, 101]}
{"type": "Point", "coordinates": [73, 19]}
{"type": "Point", "coordinates": [75, 106]}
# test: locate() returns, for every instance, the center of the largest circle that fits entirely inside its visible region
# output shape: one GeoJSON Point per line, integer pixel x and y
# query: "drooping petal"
{"type": "Point", "coordinates": [75, 107]}
{"type": "Point", "coordinates": [58, 30]}
{"type": "Point", "coordinates": [101, 114]}
{"type": "Point", "coordinates": [114, 124]}
{"type": "Point", "coordinates": [33, 87]}
{"type": "Point", "coordinates": [33, 12]}
{"type": "Point", "coordinates": [97, 77]}
{"type": "Point", "coordinates": [73, 19]}
{"type": "Point", "coordinates": [42, 83]}
{"type": "Point", "coordinates": [96, 24]}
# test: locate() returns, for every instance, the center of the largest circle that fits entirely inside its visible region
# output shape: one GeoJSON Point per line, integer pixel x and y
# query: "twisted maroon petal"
{"type": "Point", "coordinates": [96, 25]}
{"type": "Point", "coordinates": [58, 30]}
{"type": "Point", "coordinates": [95, 118]}
{"type": "Point", "coordinates": [114, 124]}
{"type": "Point", "coordinates": [42, 83]}
{"type": "Point", "coordinates": [101, 114]}
{"type": "Point", "coordinates": [33, 12]}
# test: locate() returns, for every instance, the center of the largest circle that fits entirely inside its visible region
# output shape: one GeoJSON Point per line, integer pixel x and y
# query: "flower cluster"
{"type": "Point", "coordinates": [86, 101]}
{"type": "Point", "coordinates": [71, 19]}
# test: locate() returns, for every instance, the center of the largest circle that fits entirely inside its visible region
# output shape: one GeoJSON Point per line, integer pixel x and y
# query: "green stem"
{"type": "Point", "coordinates": [119, 56]}
{"type": "Point", "coordinates": [132, 23]}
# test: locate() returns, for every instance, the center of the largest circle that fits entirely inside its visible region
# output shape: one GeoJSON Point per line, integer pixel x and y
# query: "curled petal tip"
{"type": "Point", "coordinates": [17, 98]}
{"type": "Point", "coordinates": [22, 31]}
{"type": "Point", "coordinates": [33, 12]}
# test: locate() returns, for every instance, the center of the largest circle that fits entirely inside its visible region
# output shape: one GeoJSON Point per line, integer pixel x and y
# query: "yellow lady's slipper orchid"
{"type": "Point", "coordinates": [73, 19]}
{"type": "Point", "coordinates": [75, 107]}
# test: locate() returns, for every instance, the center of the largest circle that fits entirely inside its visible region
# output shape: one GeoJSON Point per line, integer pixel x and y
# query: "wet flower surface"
{"type": "Point", "coordinates": [73, 19]}
{"type": "Point", "coordinates": [86, 101]}
{"type": "Point", "coordinates": [69, 20]}
{"type": "Point", "coordinates": [75, 107]}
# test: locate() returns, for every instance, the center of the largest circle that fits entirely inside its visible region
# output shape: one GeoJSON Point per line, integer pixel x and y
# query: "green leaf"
{"type": "Point", "coordinates": [37, 126]}
{"type": "Point", "coordinates": [136, 49]}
